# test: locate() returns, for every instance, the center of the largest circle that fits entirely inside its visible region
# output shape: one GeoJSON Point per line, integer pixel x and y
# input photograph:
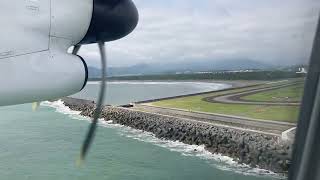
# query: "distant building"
{"type": "Point", "coordinates": [242, 70]}
{"type": "Point", "coordinates": [301, 70]}
{"type": "Point", "coordinates": [203, 72]}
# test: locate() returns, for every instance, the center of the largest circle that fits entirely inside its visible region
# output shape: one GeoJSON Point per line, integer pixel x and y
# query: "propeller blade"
{"type": "Point", "coordinates": [76, 49]}
{"type": "Point", "coordinates": [91, 132]}
{"type": "Point", "coordinates": [35, 106]}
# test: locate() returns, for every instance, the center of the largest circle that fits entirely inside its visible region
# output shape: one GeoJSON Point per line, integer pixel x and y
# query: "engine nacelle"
{"type": "Point", "coordinates": [40, 77]}
{"type": "Point", "coordinates": [36, 34]}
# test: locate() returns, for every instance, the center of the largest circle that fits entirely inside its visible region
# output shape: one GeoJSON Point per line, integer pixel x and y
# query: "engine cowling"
{"type": "Point", "coordinates": [34, 62]}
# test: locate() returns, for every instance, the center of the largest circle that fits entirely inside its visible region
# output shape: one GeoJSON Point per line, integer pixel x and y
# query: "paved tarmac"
{"type": "Point", "coordinates": [261, 126]}
{"type": "Point", "coordinates": [235, 98]}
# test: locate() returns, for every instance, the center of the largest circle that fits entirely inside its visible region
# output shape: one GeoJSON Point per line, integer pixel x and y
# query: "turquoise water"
{"type": "Point", "coordinates": [45, 144]}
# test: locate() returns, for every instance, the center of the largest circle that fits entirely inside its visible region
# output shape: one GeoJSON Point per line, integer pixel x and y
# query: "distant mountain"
{"type": "Point", "coordinates": [180, 67]}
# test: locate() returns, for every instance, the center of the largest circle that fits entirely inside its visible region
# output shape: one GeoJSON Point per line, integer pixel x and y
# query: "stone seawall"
{"type": "Point", "coordinates": [256, 150]}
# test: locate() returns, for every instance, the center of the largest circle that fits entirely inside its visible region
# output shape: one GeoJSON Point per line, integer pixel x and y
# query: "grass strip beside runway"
{"type": "Point", "coordinates": [267, 112]}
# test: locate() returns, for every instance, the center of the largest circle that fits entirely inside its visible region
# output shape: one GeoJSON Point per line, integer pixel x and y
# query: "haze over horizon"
{"type": "Point", "coordinates": [266, 31]}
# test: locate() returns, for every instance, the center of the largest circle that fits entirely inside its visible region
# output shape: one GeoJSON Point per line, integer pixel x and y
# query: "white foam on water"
{"type": "Point", "coordinates": [61, 108]}
{"type": "Point", "coordinates": [216, 160]}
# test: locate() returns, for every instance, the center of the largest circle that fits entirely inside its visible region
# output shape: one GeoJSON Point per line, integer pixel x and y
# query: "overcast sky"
{"type": "Point", "coordinates": [272, 31]}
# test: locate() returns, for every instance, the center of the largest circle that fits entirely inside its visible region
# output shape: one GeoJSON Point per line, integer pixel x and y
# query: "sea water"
{"type": "Point", "coordinates": [123, 92]}
{"type": "Point", "coordinates": [45, 145]}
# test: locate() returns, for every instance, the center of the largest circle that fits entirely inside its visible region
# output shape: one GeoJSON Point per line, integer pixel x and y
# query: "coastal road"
{"type": "Point", "coordinates": [262, 126]}
{"type": "Point", "coordinates": [234, 98]}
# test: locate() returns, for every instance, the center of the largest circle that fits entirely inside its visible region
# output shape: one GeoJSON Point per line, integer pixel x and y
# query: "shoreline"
{"type": "Point", "coordinates": [233, 83]}
{"type": "Point", "coordinates": [254, 149]}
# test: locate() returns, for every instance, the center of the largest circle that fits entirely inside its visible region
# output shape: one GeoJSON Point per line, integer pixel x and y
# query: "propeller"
{"type": "Point", "coordinates": [35, 106]}
{"type": "Point", "coordinates": [99, 105]}
{"type": "Point", "coordinates": [111, 20]}
{"type": "Point", "coordinates": [76, 49]}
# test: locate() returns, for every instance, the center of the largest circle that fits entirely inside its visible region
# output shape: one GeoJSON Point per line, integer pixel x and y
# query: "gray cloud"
{"type": "Point", "coordinates": [182, 30]}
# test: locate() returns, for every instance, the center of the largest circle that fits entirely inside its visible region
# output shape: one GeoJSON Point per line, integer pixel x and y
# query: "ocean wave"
{"type": "Point", "coordinates": [216, 160]}
{"type": "Point", "coordinates": [63, 109]}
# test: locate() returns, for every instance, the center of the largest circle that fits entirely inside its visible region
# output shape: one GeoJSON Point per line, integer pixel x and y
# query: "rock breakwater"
{"type": "Point", "coordinates": [257, 150]}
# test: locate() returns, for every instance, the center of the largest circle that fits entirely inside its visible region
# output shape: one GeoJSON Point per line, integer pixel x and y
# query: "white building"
{"type": "Point", "coordinates": [302, 70]}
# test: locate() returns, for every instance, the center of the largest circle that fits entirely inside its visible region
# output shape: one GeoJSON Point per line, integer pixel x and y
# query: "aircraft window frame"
{"type": "Point", "coordinates": [306, 158]}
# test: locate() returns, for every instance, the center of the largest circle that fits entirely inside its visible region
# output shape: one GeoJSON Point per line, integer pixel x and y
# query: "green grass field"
{"type": "Point", "coordinates": [278, 113]}
{"type": "Point", "coordinates": [291, 93]}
